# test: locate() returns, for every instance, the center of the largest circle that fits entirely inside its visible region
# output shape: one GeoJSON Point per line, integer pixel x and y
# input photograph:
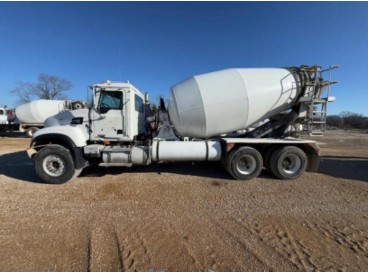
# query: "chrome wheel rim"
{"type": "Point", "coordinates": [54, 165]}
{"type": "Point", "coordinates": [246, 165]}
{"type": "Point", "coordinates": [291, 164]}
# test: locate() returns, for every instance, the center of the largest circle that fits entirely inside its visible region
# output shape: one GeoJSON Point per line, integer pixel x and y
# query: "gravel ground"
{"type": "Point", "coordinates": [184, 217]}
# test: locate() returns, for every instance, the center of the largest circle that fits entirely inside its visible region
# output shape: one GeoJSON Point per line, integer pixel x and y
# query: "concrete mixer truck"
{"type": "Point", "coordinates": [248, 119]}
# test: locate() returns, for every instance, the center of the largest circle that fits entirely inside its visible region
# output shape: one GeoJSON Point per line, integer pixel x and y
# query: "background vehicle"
{"type": "Point", "coordinates": [32, 115]}
{"type": "Point", "coordinates": [3, 119]}
{"type": "Point", "coordinates": [246, 118]}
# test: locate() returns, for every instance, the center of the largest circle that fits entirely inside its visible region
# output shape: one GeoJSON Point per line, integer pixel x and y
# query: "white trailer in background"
{"type": "Point", "coordinates": [32, 115]}
{"type": "Point", "coordinates": [8, 122]}
{"type": "Point", "coordinates": [245, 118]}
{"type": "Point", "coordinates": [3, 119]}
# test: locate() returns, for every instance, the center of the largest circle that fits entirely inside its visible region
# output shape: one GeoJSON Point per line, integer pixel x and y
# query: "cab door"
{"type": "Point", "coordinates": [107, 119]}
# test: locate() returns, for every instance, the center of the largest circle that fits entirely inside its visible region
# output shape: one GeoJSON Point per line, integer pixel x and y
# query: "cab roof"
{"type": "Point", "coordinates": [110, 85]}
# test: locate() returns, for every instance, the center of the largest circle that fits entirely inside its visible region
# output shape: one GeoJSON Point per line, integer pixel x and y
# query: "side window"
{"type": "Point", "coordinates": [110, 100]}
{"type": "Point", "coordinates": [139, 106]}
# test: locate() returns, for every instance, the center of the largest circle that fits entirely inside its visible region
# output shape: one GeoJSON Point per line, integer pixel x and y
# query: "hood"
{"type": "Point", "coordinates": [65, 118]}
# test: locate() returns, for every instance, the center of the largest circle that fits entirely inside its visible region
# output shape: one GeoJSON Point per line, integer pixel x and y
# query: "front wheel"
{"type": "Point", "coordinates": [54, 164]}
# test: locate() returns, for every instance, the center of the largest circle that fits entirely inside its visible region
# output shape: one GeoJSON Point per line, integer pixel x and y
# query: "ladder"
{"type": "Point", "coordinates": [317, 117]}
{"type": "Point", "coordinates": [317, 107]}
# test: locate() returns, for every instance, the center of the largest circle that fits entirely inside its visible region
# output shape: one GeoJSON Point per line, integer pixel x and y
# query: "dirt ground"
{"type": "Point", "coordinates": [184, 217]}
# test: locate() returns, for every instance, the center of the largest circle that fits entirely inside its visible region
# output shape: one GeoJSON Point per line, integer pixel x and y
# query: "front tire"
{"type": "Point", "coordinates": [54, 164]}
{"type": "Point", "coordinates": [288, 162]}
{"type": "Point", "coordinates": [244, 163]}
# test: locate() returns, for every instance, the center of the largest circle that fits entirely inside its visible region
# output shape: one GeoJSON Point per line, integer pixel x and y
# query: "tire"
{"type": "Point", "coordinates": [288, 162]}
{"type": "Point", "coordinates": [244, 163]}
{"type": "Point", "coordinates": [30, 131]}
{"type": "Point", "coordinates": [267, 157]}
{"type": "Point", "coordinates": [54, 164]}
{"type": "Point", "coordinates": [77, 105]}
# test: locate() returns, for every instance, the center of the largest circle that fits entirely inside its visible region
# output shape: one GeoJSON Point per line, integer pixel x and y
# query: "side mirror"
{"type": "Point", "coordinates": [162, 104]}
{"type": "Point", "coordinates": [146, 98]}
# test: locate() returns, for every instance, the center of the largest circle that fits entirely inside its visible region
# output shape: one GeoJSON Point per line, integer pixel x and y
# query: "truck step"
{"type": "Point", "coordinates": [316, 133]}
{"type": "Point", "coordinates": [115, 164]}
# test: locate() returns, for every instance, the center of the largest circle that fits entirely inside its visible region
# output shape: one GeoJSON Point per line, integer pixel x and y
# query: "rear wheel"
{"type": "Point", "coordinates": [54, 164]}
{"type": "Point", "coordinates": [30, 131]}
{"type": "Point", "coordinates": [244, 163]}
{"type": "Point", "coordinates": [288, 162]}
{"type": "Point", "coordinates": [267, 157]}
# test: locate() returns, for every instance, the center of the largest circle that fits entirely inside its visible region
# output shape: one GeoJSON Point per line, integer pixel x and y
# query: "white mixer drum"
{"type": "Point", "coordinates": [36, 112]}
{"type": "Point", "coordinates": [224, 101]}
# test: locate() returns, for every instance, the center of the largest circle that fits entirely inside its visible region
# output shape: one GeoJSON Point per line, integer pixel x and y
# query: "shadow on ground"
{"type": "Point", "coordinates": [17, 165]}
{"type": "Point", "coordinates": [346, 168]}
{"type": "Point", "coordinates": [13, 134]}
{"type": "Point", "coordinates": [212, 170]}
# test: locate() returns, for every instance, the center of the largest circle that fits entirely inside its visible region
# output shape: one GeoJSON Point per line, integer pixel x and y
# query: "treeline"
{"type": "Point", "coordinates": [348, 120]}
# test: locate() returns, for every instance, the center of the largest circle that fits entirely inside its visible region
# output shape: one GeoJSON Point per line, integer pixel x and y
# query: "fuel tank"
{"type": "Point", "coordinates": [220, 102]}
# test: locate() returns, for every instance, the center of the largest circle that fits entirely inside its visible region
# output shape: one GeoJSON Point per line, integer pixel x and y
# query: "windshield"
{"type": "Point", "coordinates": [110, 100]}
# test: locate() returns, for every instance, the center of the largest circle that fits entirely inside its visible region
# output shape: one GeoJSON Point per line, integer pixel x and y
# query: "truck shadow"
{"type": "Point", "coordinates": [345, 167]}
{"type": "Point", "coordinates": [212, 170]}
{"type": "Point", "coordinates": [13, 134]}
{"type": "Point", "coordinates": [18, 166]}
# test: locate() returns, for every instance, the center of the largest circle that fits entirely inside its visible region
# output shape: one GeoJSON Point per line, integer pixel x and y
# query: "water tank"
{"type": "Point", "coordinates": [36, 112]}
{"type": "Point", "coordinates": [220, 102]}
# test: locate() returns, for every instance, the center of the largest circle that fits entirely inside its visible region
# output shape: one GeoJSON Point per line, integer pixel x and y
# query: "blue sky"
{"type": "Point", "coordinates": [156, 45]}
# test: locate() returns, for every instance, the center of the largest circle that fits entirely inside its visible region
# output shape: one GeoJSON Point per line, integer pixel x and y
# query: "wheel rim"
{"type": "Point", "coordinates": [54, 165]}
{"type": "Point", "coordinates": [246, 165]}
{"type": "Point", "coordinates": [291, 164]}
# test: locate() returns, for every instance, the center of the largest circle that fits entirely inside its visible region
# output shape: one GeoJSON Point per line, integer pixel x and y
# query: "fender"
{"type": "Point", "coordinates": [71, 137]}
{"type": "Point", "coordinates": [73, 134]}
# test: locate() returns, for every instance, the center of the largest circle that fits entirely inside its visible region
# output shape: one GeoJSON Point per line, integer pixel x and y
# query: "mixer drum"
{"type": "Point", "coordinates": [36, 112]}
{"type": "Point", "coordinates": [212, 104]}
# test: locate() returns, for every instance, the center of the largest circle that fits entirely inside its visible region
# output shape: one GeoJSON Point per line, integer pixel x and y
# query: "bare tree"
{"type": "Point", "coordinates": [48, 87]}
{"type": "Point", "coordinates": [335, 121]}
{"type": "Point", "coordinates": [348, 120]}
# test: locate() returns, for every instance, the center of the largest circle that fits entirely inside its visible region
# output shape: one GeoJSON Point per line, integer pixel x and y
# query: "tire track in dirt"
{"type": "Point", "coordinates": [302, 256]}
{"type": "Point", "coordinates": [244, 245]}
{"type": "Point", "coordinates": [300, 243]}
{"type": "Point", "coordinates": [193, 257]}
{"type": "Point", "coordinates": [252, 242]}
{"type": "Point", "coordinates": [172, 251]}
{"type": "Point", "coordinates": [289, 245]}
{"type": "Point", "coordinates": [201, 259]}
{"type": "Point", "coordinates": [119, 251]}
{"type": "Point", "coordinates": [346, 236]}
{"type": "Point", "coordinates": [201, 239]}
{"type": "Point", "coordinates": [103, 251]}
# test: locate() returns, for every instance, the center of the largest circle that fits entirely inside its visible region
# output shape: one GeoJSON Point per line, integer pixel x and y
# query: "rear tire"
{"type": "Point", "coordinates": [244, 163]}
{"type": "Point", "coordinates": [54, 164]}
{"type": "Point", "coordinates": [267, 157]}
{"type": "Point", "coordinates": [288, 162]}
{"type": "Point", "coordinates": [30, 131]}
